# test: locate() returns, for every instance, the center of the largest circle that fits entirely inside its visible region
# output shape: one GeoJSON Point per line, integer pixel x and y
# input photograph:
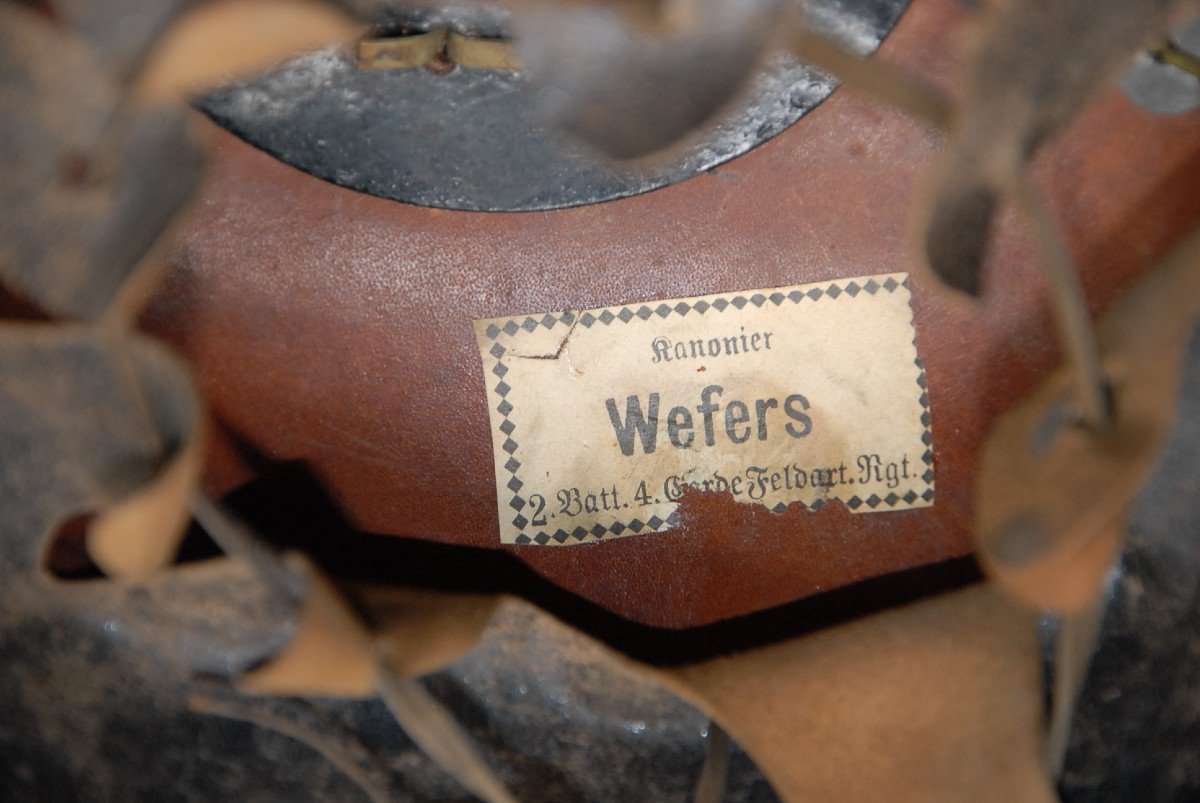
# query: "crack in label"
{"type": "Point", "coordinates": [601, 419]}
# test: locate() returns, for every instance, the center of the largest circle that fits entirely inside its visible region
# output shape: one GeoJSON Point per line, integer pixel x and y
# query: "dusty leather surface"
{"type": "Point", "coordinates": [932, 701]}
{"type": "Point", "coordinates": [334, 328]}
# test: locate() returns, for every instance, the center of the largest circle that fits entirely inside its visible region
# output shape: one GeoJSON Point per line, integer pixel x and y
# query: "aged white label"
{"type": "Point", "coordinates": [789, 396]}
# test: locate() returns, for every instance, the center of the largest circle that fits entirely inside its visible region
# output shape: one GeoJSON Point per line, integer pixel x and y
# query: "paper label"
{"type": "Point", "coordinates": [788, 396]}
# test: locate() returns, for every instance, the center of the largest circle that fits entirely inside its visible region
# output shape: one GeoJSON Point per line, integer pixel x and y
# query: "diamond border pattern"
{"type": "Point", "coordinates": [606, 317]}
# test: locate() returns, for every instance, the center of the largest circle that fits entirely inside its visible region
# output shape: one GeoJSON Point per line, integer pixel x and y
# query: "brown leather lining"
{"type": "Point", "coordinates": [333, 328]}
